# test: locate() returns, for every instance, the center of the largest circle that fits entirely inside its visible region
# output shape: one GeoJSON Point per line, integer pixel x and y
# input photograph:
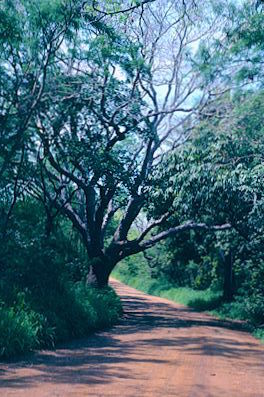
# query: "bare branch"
{"type": "Point", "coordinates": [122, 11]}
{"type": "Point", "coordinates": [152, 225]}
{"type": "Point", "coordinates": [178, 229]}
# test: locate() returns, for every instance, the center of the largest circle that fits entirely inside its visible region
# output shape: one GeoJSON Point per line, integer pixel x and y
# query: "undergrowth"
{"type": "Point", "coordinates": [43, 295]}
{"type": "Point", "coordinates": [72, 313]}
{"type": "Point", "coordinates": [200, 300]}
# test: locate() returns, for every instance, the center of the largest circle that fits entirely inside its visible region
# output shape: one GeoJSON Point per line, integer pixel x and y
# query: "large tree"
{"type": "Point", "coordinates": [32, 34]}
{"type": "Point", "coordinates": [218, 177]}
{"type": "Point", "coordinates": [109, 108]}
{"type": "Point", "coordinates": [103, 130]}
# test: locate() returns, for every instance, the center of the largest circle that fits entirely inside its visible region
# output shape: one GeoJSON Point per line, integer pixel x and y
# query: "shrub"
{"type": "Point", "coordinates": [254, 307]}
{"type": "Point", "coordinates": [43, 298]}
{"type": "Point", "coordinates": [75, 312]}
{"type": "Point", "coordinates": [18, 331]}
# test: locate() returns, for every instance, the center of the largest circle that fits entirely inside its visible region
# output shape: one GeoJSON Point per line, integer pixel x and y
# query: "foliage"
{"type": "Point", "coordinates": [199, 300]}
{"type": "Point", "coordinates": [84, 120]}
{"type": "Point", "coordinates": [72, 313]}
{"type": "Point", "coordinates": [43, 294]}
{"type": "Point", "coordinates": [19, 331]}
{"type": "Point", "coordinates": [218, 178]}
{"type": "Point", "coordinates": [235, 58]}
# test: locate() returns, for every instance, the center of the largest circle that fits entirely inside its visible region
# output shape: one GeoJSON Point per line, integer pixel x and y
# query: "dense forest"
{"type": "Point", "coordinates": [131, 140]}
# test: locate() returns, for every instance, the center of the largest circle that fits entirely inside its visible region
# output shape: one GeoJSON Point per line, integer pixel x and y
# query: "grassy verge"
{"type": "Point", "coordinates": [199, 300]}
{"type": "Point", "coordinates": [207, 300]}
{"type": "Point", "coordinates": [73, 312]}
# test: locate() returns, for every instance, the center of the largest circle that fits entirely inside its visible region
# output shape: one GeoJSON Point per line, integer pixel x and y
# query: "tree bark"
{"type": "Point", "coordinates": [228, 278]}
{"type": "Point", "coordinates": [100, 271]}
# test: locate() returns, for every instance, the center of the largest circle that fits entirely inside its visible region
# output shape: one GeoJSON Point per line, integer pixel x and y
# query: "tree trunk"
{"type": "Point", "coordinates": [228, 278]}
{"type": "Point", "coordinates": [100, 271]}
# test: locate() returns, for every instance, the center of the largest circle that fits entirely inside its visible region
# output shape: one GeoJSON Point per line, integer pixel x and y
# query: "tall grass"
{"type": "Point", "coordinates": [72, 313]}
{"type": "Point", "coordinates": [200, 300]}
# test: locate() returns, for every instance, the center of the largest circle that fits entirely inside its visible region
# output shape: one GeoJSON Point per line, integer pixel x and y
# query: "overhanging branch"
{"type": "Point", "coordinates": [145, 244]}
{"type": "Point", "coordinates": [152, 225]}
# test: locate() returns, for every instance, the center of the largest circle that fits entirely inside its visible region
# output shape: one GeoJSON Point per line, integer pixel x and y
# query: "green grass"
{"type": "Point", "coordinates": [73, 312]}
{"type": "Point", "coordinates": [259, 333]}
{"type": "Point", "coordinates": [205, 300]}
{"type": "Point", "coordinates": [199, 300]}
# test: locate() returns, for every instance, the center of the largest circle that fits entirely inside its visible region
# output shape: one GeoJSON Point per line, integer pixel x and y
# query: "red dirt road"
{"type": "Point", "coordinates": [159, 349]}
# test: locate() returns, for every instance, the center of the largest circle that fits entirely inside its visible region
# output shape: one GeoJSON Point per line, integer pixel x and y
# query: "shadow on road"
{"type": "Point", "coordinates": [103, 356]}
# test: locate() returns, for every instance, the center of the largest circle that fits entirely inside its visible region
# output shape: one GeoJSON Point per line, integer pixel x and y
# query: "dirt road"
{"type": "Point", "coordinates": [160, 349]}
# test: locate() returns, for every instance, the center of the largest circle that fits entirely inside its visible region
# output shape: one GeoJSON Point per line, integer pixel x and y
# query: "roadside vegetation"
{"type": "Point", "coordinates": [207, 299]}
{"type": "Point", "coordinates": [28, 323]}
{"type": "Point", "coordinates": [44, 298]}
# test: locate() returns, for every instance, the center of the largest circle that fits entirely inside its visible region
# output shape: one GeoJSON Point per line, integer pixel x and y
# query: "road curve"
{"type": "Point", "coordinates": [159, 349]}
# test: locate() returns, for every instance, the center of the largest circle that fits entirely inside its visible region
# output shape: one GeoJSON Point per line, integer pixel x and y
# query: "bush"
{"type": "Point", "coordinates": [248, 308]}
{"type": "Point", "coordinates": [43, 296]}
{"type": "Point", "coordinates": [18, 331]}
{"type": "Point", "coordinates": [199, 300]}
{"type": "Point", "coordinates": [254, 307]}
{"type": "Point", "coordinates": [76, 312]}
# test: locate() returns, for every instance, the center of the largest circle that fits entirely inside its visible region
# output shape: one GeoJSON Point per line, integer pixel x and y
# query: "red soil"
{"type": "Point", "coordinates": [159, 349]}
